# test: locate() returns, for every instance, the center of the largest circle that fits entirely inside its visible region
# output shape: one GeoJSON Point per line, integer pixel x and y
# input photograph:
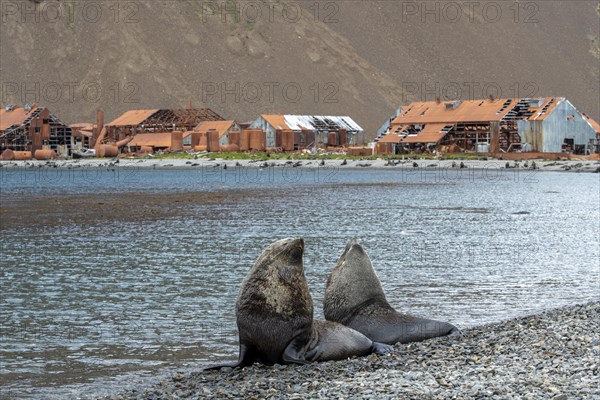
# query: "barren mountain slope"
{"type": "Point", "coordinates": [522, 48]}
{"type": "Point", "coordinates": [352, 58]}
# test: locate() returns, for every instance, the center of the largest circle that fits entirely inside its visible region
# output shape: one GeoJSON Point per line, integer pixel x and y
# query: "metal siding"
{"type": "Point", "coordinates": [262, 123]}
{"type": "Point", "coordinates": [224, 139]}
{"type": "Point", "coordinates": [557, 128]}
{"type": "Point", "coordinates": [532, 132]}
{"type": "Point", "coordinates": [270, 132]}
{"type": "Point", "coordinates": [357, 139]}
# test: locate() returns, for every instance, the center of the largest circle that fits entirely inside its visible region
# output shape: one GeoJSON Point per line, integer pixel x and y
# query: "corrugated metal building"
{"type": "Point", "coordinates": [32, 128]}
{"type": "Point", "coordinates": [594, 145]}
{"type": "Point", "coordinates": [310, 130]}
{"type": "Point", "coordinates": [549, 125]}
{"type": "Point", "coordinates": [563, 127]}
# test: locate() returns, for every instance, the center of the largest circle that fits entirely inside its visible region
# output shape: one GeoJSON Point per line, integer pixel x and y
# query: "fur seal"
{"type": "Point", "coordinates": [354, 297]}
{"type": "Point", "coordinates": [274, 313]}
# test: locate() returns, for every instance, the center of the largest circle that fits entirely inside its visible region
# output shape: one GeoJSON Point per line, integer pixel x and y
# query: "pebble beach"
{"type": "Point", "coordinates": [551, 355]}
{"type": "Point", "coordinates": [408, 164]}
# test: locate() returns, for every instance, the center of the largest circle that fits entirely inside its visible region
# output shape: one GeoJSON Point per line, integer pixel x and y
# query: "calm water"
{"type": "Point", "coordinates": [93, 301]}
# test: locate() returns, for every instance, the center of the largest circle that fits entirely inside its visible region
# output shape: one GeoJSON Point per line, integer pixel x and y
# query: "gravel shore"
{"type": "Point", "coordinates": [554, 354]}
{"type": "Point", "coordinates": [429, 164]}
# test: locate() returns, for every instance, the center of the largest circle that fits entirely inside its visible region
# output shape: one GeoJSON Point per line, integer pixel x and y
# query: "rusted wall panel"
{"type": "Point", "coordinates": [532, 132]}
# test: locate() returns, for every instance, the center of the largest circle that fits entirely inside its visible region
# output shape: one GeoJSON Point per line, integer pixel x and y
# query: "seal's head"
{"type": "Point", "coordinates": [354, 262]}
{"type": "Point", "coordinates": [284, 257]}
{"type": "Point", "coordinates": [352, 283]}
{"type": "Point", "coordinates": [276, 284]}
{"type": "Point", "coordinates": [354, 256]}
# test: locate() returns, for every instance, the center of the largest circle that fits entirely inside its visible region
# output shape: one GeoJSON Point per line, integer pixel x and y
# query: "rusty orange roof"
{"type": "Point", "coordinates": [390, 138]}
{"type": "Point", "coordinates": [81, 129]}
{"type": "Point", "coordinates": [394, 136]}
{"type": "Point", "coordinates": [82, 125]}
{"type": "Point", "coordinates": [431, 133]}
{"type": "Point", "coordinates": [469, 111]}
{"type": "Point", "coordinates": [156, 139]}
{"type": "Point", "coordinates": [132, 117]}
{"type": "Point", "coordinates": [276, 121]}
{"type": "Point", "coordinates": [15, 117]}
{"type": "Point", "coordinates": [455, 111]}
{"type": "Point", "coordinates": [161, 139]}
{"type": "Point", "coordinates": [540, 113]}
{"type": "Point", "coordinates": [593, 123]}
{"type": "Point", "coordinates": [220, 126]}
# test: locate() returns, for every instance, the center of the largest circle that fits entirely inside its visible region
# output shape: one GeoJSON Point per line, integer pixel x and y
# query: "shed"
{"type": "Point", "coordinates": [310, 130]}
{"type": "Point", "coordinates": [31, 128]}
{"type": "Point", "coordinates": [547, 124]}
{"type": "Point", "coordinates": [158, 120]}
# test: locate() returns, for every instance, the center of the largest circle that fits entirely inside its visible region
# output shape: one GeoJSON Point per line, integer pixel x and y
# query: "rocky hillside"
{"type": "Point", "coordinates": [318, 57]}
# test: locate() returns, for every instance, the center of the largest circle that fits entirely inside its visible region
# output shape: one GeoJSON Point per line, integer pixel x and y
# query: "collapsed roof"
{"type": "Point", "coordinates": [313, 122]}
{"type": "Point", "coordinates": [181, 117]}
{"type": "Point", "coordinates": [477, 110]}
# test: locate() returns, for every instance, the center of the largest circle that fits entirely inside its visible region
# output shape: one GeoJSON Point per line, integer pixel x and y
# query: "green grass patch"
{"type": "Point", "coordinates": [171, 156]}
{"type": "Point", "coordinates": [292, 156]}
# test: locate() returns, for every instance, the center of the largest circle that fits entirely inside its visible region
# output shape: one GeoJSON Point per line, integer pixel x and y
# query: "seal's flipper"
{"type": "Point", "coordinates": [456, 333]}
{"type": "Point", "coordinates": [382, 348]}
{"type": "Point", "coordinates": [294, 353]}
{"type": "Point", "coordinates": [246, 358]}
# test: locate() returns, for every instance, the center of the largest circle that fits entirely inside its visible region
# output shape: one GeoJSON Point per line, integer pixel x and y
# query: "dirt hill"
{"type": "Point", "coordinates": [360, 58]}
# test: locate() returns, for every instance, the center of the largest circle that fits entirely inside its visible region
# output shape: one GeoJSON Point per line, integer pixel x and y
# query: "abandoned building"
{"type": "Point", "coordinates": [153, 121]}
{"type": "Point", "coordinates": [309, 131]}
{"type": "Point", "coordinates": [594, 144]}
{"type": "Point", "coordinates": [32, 128]}
{"type": "Point", "coordinates": [223, 128]}
{"type": "Point", "coordinates": [82, 134]}
{"type": "Point", "coordinates": [549, 125]}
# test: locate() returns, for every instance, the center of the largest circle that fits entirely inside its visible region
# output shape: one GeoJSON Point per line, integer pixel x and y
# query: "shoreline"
{"type": "Point", "coordinates": [588, 166]}
{"type": "Point", "coordinates": [552, 354]}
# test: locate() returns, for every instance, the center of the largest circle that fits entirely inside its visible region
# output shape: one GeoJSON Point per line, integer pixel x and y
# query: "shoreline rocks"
{"type": "Point", "coordinates": [428, 164]}
{"type": "Point", "coordinates": [554, 354]}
